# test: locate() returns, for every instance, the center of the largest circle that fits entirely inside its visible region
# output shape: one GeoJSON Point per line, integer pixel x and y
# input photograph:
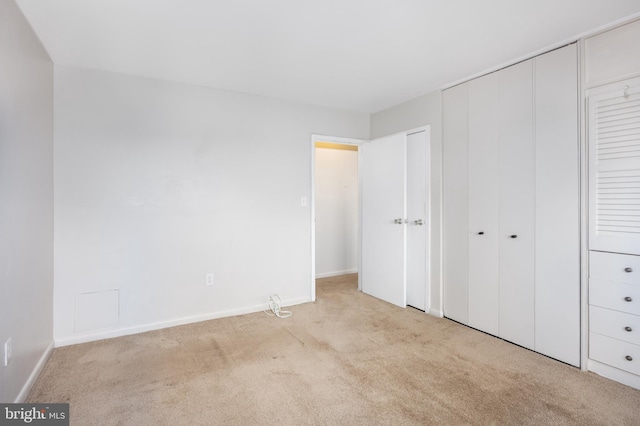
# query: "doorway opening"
{"type": "Point", "coordinates": [335, 207]}
{"type": "Point", "coordinates": [393, 216]}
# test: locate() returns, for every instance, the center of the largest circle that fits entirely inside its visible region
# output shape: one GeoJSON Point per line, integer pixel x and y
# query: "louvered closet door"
{"type": "Point", "coordinates": [614, 167]}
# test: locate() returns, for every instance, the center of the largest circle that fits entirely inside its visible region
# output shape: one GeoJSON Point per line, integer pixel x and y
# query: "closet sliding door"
{"type": "Point", "coordinates": [483, 216]}
{"type": "Point", "coordinates": [455, 202]}
{"type": "Point", "coordinates": [517, 203]}
{"type": "Point", "coordinates": [511, 206]}
{"type": "Point", "coordinates": [557, 210]}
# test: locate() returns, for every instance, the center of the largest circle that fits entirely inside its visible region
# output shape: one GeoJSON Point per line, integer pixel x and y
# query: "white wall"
{"type": "Point", "coordinates": [158, 183]}
{"type": "Point", "coordinates": [26, 202]}
{"type": "Point", "coordinates": [336, 212]}
{"type": "Point", "coordinates": [422, 111]}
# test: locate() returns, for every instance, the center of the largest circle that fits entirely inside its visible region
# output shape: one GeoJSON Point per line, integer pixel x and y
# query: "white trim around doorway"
{"type": "Point", "coordinates": [340, 141]}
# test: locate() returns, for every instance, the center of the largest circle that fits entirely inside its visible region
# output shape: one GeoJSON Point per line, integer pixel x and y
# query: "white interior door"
{"type": "Point", "coordinates": [383, 216]}
{"type": "Point", "coordinates": [417, 226]}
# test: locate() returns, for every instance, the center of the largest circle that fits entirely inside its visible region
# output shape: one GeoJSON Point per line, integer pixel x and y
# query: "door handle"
{"type": "Point", "coordinates": [418, 222]}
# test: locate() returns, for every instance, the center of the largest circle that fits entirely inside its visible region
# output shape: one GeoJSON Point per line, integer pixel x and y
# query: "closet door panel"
{"type": "Point", "coordinates": [614, 167]}
{"type": "Point", "coordinates": [517, 206]}
{"type": "Point", "coordinates": [557, 237]}
{"type": "Point", "coordinates": [455, 203]}
{"type": "Point", "coordinates": [483, 204]}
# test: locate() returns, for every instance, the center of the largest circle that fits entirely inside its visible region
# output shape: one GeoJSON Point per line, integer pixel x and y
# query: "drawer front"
{"type": "Point", "coordinates": [618, 325]}
{"type": "Point", "coordinates": [613, 295]}
{"type": "Point", "coordinates": [622, 355]}
{"type": "Point", "coordinates": [623, 268]}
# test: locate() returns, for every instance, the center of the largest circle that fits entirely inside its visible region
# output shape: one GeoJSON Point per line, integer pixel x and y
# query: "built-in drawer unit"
{"type": "Point", "coordinates": [612, 81]}
{"type": "Point", "coordinates": [614, 281]}
{"type": "Point", "coordinates": [619, 325]}
{"type": "Point", "coordinates": [614, 310]}
{"type": "Point", "coordinates": [614, 352]}
{"type": "Point", "coordinates": [619, 296]}
{"type": "Point", "coordinates": [622, 268]}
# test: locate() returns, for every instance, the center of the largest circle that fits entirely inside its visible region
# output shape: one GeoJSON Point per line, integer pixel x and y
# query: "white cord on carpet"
{"type": "Point", "coordinates": [274, 305]}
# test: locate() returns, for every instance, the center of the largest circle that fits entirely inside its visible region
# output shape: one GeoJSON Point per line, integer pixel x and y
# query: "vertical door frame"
{"type": "Point", "coordinates": [428, 216]}
{"type": "Point", "coordinates": [583, 148]}
{"type": "Point", "coordinates": [428, 225]}
{"type": "Point", "coordinates": [340, 141]}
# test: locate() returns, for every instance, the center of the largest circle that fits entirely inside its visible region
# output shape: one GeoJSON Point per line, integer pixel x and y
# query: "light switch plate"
{"type": "Point", "coordinates": [8, 349]}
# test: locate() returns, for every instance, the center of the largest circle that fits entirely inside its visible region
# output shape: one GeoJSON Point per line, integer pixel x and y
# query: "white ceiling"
{"type": "Point", "coordinates": [364, 55]}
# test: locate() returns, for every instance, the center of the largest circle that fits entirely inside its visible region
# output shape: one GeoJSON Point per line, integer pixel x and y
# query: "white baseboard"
{"type": "Point", "coordinates": [126, 331]}
{"type": "Point", "coordinates": [24, 393]}
{"type": "Point", "coordinates": [436, 313]}
{"type": "Point", "coordinates": [613, 373]}
{"type": "Point", "coordinates": [336, 273]}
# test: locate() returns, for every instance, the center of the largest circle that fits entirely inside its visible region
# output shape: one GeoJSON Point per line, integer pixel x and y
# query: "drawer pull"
{"type": "Point", "coordinates": [628, 299]}
{"type": "Point", "coordinates": [628, 358]}
{"type": "Point", "coordinates": [627, 269]}
{"type": "Point", "coordinates": [514, 236]}
{"type": "Point", "coordinates": [627, 328]}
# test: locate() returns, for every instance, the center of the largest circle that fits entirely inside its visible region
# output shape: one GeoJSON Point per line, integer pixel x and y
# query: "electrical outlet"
{"type": "Point", "coordinates": [7, 351]}
{"type": "Point", "coordinates": [209, 280]}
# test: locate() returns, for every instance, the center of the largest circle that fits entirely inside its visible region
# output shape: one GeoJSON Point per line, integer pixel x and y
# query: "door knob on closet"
{"type": "Point", "coordinates": [513, 236]}
{"type": "Point", "coordinates": [628, 299]}
{"type": "Point", "coordinates": [627, 269]}
{"type": "Point", "coordinates": [628, 358]}
{"type": "Point", "coordinates": [418, 222]}
{"type": "Point", "coordinates": [627, 328]}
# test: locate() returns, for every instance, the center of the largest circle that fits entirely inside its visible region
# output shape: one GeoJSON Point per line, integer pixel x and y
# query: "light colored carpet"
{"type": "Point", "coordinates": [346, 359]}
